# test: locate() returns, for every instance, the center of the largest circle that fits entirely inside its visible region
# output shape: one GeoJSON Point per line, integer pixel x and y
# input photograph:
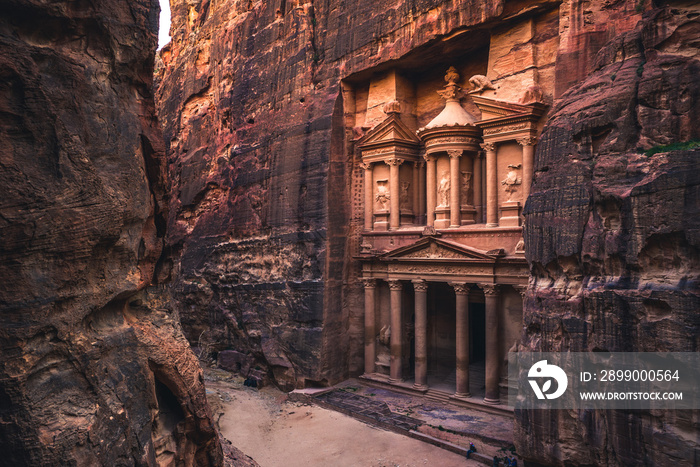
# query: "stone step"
{"type": "Point", "coordinates": [437, 396]}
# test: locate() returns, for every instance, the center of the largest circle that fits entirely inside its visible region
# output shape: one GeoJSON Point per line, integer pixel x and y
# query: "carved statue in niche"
{"type": "Point", "coordinates": [403, 196]}
{"type": "Point", "coordinates": [512, 180]}
{"type": "Point", "coordinates": [466, 187]}
{"type": "Point", "coordinates": [383, 195]}
{"type": "Point", "coordinates": [443, 189]}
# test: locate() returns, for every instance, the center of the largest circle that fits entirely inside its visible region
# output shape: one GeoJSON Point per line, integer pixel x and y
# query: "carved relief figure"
{"type": "Point", "coordinates": [466, 187]}
{"type": "Point", "coordinates": [403, 196]}
{"type": "Point", "coordinates": [443, 189]}
{"type": "Point", "coordinates": [382, 197]}
{"type": "Point", "coordinates": [511, 181]}
{"type": "Point", "coordinates": [479, 83]}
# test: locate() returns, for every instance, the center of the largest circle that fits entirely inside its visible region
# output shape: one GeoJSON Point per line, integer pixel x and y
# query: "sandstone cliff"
{"type": "Point", "coordinates": [93, 369]}
{"type": "Point", "coordinates": [612, 236]}
{"type": "Point", "coordinates": [258, 103]}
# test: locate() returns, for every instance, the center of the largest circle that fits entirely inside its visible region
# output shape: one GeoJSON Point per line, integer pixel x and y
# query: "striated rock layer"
{"type": "Point", "coordinates": [93, 368]}
{"type": "Point", "coordinates": [260, 227]}
{"type": "Point", "coordinates": [613, 237]}
{"type": "Point", "coordinates": [258, 104]}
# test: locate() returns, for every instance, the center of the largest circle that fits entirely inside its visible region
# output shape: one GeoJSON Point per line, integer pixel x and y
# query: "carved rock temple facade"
{"type": "Point", "coordinates": [442, 257]}
{"type": "Point", "coordinates": [331, 215]}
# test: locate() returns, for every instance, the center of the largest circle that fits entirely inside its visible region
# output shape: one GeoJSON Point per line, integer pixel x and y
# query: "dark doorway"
{"type": "Point", "coordinates": [442, 336]}
{"type": "Point", "coordinates": [477, 332]}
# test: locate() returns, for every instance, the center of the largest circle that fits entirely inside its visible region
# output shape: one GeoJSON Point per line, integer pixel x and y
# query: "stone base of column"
{"type": "Point", "coordinates": [489, 225]}
{"type": "Point", "coordinates": [491, 401]}
{"type": "Point", "coordinates": [463, 396]}
{"type": "Point", "coordinates": [406, 217]}
{"type": "Point", "coordinates": [468, 214]}
{"type": "Point", "coordinates": [442, 217]}
{"type": "Point", "coordinates": [510, 214]}
{"type": "Point", "coordinates": [420, 387]}
{"type": "Point", "coordinates": [381, 220]}
{"type": "Point", "coordinates": [395, 381]}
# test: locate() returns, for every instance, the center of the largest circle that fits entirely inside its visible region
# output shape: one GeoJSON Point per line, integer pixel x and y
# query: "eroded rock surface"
{"type": "Point", "coordinates": [93, 368]}
{"type": "Point", "coordinates": [612, 236]}
{"type": "Point", "coordinates": [253, 110]}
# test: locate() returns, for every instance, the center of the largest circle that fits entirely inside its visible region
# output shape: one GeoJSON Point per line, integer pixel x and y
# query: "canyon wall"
{"type": "Point", "coordinates": [263, 103]}
{"type": "Point", "coordinates": [612, 234]}
{"type": "Point", "coordinates": [260, 152]}
{"type": "Point", "coordinates": [94, 368]}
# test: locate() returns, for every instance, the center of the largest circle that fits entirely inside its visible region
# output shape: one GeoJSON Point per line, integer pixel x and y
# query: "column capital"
{"type": "Point", "coordinates": [454, 153]}
{"type": "Point", "coordinates": [395, 284]}
{"type": "Point", "coordinates": [393, 161]}
{"type": "Point", "coordinates": [527, 141]}
{"type": "Point", "coordinates": [461, 288]}
{"type": "Point", "coordinates": [419, 164]}
{"type": "Point", "coordinates": [490, 289]}
{"type": "Point", "coordinates": [369, 283]}
{"type": "Point", "coordinates": [522, 289]}
{"type": "Point", "coordinates": [488, 146]}
{"type": "Point", "coordinates": [420, 285]}
{"type": "Point", "coordinates": [366, 165]}
{"type": "Point", "coordinates": [429, 157]}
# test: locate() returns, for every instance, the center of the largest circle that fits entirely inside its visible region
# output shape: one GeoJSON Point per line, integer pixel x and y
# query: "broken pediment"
{"type": "Point", "coordinates": [434, 248]}
{"type": "Point", "coordinates": [390, 132]}
{"type": "Point", "coordinates": [502, 121]}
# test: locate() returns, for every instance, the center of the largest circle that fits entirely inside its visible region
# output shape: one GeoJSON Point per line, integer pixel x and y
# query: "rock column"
{"type": "Point", "coordinates": [421, 329]}
{"type": "Point", "coordinates": [395, 288]}
{"type": "Point", "coordinates": [455, 183]}
{"type": "Point", "coordinates": [369, 196]}
{"type": "Point", "coordinates": [395, 213]}
{"type": "Point", "coordinates": [462, 331]}
{"type": "Point", "coordinates": [478, 203]}
{"type": "Point", "coordinates": [430, 188]}
{"type": "Point", "coordinates": [492, 367]}
{"type": "Point", "coordinates": [491, 185]}
{"type": "Point", "coordinates": [421, 191]}
{"type": "Point", "coordinates": [528, 145]}
{"type": "Point", "coordinates": [370, 329]}
{"type": "Point", "coordinates": [416, 192]}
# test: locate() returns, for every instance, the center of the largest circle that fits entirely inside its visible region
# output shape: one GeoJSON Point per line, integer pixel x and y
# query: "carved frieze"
{"type": "Point", "coordinates": [439, 269]}
{"type": "Point", "coordinates": [506, 128]}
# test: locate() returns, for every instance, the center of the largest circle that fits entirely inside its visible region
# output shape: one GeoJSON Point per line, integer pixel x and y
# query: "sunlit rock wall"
{"type": "Point", "coordinates": [613, 234]}
{"type": "Point", "coordinates": [250, 96]}
{"type": "Point", "coordinates": [93, 368]}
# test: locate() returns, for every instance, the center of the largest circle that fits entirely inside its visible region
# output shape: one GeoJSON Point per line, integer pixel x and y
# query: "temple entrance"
{"type": "Point", "coordinates": [441, 337]}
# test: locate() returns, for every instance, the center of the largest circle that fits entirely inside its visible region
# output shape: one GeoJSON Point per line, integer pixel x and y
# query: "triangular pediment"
{"type": "Point", "coordinates": [432, 248]}
{"type": "Point", "coordinates": [391, 131]}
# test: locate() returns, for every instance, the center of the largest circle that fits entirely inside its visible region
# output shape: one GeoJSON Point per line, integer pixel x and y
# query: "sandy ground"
{"type": "Point", "coordinates": [276, 432]}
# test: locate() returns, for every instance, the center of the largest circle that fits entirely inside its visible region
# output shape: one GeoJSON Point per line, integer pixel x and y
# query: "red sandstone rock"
{"type": "Point", "coordinates": [263, 224]}
{"type": "Point", "coordinates": [93, 371]}
{"type": "Point", "coordinates": [612, 237]}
